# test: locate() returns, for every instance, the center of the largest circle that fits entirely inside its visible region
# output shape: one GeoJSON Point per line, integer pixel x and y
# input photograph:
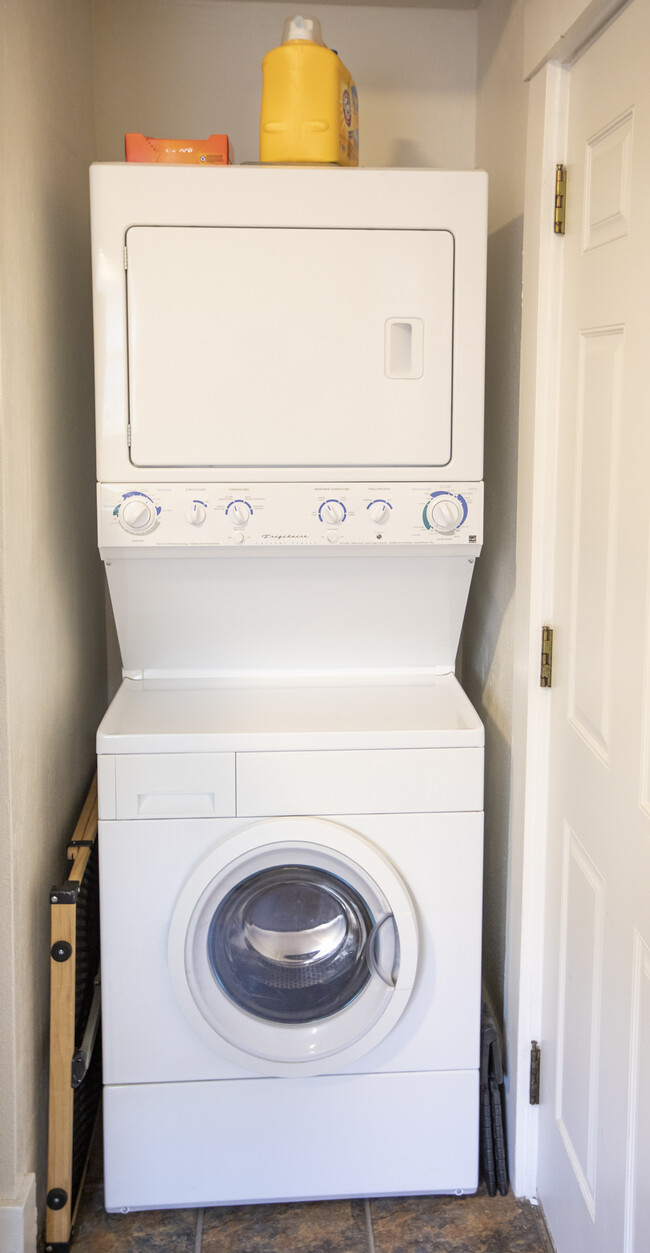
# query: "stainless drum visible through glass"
{"type": "Point", "coordinates": [288, 944]}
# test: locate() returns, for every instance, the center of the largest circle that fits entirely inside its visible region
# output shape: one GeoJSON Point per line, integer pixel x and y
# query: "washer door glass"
{"type": "Point", "coordinates": [292, 942]}
{"type": "Point", "coordinates": [288, 944]}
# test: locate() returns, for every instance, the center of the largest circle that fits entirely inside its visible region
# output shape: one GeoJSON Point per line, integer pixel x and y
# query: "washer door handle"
{"type": "Point", "coordinates": [371, 951]}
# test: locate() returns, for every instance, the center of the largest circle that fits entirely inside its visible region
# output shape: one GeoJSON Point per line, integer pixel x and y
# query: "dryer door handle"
{"type": "Point", "coordinates": [371, 951]}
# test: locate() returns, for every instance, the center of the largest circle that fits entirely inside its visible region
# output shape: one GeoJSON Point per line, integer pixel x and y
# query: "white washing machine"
{"type": "Point", "coordinates": [291, 937]}
{"type": "Point", "coordinates": [291, 778]}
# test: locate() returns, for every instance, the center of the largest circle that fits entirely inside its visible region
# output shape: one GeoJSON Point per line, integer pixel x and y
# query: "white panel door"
{"type": "Point", "coordinates": [283, 347]}
{"type": "Point", "coordinates": [594, 1158]}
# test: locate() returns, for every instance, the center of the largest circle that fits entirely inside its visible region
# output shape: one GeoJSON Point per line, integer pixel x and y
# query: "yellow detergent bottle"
{"type": "Point", "coordinates": [310, 109]}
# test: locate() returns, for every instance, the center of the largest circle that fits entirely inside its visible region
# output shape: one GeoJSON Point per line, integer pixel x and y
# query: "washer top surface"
{"type": "Point", "coordinates": [177, 715]}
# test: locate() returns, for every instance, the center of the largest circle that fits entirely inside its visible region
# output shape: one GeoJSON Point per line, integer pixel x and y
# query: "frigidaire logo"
{"type": "Point", "coordinates": [267, 536]}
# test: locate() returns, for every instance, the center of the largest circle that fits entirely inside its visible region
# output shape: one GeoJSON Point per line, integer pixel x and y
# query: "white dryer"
{"type": "Point", "coordinates": [291, 920]}
{"type": "Point", "coordinates": [289, 372]}
{"type": "Point", "coordinates": [283, 324]}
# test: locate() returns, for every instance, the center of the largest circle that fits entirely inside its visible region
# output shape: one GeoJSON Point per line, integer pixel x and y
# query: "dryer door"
{"type": "Point", "coordinates": [293, 946]}
{"type": "Point", "coordinates": [266, 347]}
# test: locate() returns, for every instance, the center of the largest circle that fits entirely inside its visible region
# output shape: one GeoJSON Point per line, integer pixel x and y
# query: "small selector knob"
{"type": "Point", "coordinates": [379, 511]}
{"type": "Point", "coordinates": [239, 512]}
{"type": "Point", "coordinates": [138, 515]}
{"type": "Point", "coordinates": [196, 513]}
{"type": "Point", "coordinates": [332, 512]}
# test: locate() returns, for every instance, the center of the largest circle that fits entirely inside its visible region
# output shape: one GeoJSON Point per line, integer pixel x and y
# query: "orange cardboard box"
{"type": "Point", "coordinates": [215, 150]}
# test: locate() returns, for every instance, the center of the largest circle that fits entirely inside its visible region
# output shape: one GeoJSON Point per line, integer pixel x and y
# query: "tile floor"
{"type": "Point", "coordinates": [442, 1224]}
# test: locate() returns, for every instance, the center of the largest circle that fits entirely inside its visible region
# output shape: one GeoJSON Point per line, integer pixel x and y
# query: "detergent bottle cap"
{"type": "Point", "coordinates": [307, 28]}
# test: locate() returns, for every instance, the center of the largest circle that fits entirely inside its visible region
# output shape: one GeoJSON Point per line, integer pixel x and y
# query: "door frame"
{"type": "Point", "coordinates": [554, 37]}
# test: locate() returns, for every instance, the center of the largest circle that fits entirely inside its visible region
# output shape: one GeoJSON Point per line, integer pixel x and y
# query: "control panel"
{"type": "Point", "coordinates": [272, 515]}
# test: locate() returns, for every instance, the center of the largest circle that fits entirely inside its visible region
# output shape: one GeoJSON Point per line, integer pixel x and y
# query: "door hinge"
{"type": "Point", "coordinates": [559, 221]}
{"type": "Point", "coordinates": [535, 1058]}
{"type": "Point", "coordinates": [128, 434]}
{"type": "Point", "coordinates": [546, 665]}
{"type": "Point", "coordinates": [126, 258]}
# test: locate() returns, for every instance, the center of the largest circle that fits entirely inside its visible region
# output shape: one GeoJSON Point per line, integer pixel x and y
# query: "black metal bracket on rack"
{"type": "Point", "coordinates": [66, 894]}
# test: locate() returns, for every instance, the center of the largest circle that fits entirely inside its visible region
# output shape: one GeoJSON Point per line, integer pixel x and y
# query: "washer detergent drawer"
{"type": "Point", "coordinates": [365, 781]}
{"type": "Point", "coordinates": [167, 785]}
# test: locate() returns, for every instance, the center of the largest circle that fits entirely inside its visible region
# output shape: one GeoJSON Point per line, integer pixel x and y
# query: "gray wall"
{"type": "Point", "coordinates": [186, 68]}
{"type": "Point", "coordinates": [488, 637]}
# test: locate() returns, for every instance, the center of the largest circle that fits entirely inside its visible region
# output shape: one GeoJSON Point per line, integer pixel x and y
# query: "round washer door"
{"type": "Point", "coordinates": [293, 946]}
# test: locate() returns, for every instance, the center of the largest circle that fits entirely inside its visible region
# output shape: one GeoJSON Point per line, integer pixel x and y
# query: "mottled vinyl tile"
{"type": "Point", "coordinates": [416, 1224]}
{"type": "Point", "coordinates": [450, 1224]}
{"type": "Point", "coordinates": [313, 1227]}
{"type": "Point", "coordinates": [151, 1231]}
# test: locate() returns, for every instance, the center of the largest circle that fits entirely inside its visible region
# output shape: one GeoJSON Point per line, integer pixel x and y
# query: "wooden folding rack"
{"type": "Point", "coordinates": [75, 1062]}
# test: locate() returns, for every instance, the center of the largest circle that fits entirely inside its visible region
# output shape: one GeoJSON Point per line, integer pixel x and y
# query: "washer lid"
{"type": "Point", "coordinates": [293, 946]}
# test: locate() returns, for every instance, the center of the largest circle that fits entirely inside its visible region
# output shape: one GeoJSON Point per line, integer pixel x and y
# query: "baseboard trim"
{"type": "Point", "coordinates": [18, 1220]}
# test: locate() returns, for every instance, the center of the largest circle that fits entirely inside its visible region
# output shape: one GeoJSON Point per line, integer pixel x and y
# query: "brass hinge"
{"type": "Point", "coordinates": [546, 666]}
{"type": "Point", "coordinates": [559, 221]}
{"type": "Point", "coordinates": [535, 1059]}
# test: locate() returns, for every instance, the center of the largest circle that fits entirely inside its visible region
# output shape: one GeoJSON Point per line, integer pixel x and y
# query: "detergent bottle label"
{"type": "Point", "coordinates": [349, 123]}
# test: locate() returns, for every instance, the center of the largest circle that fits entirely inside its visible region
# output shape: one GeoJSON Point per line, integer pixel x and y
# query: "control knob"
{"type": "Point", "coordinates": [239, 512]}
{"type": "Point", "coordinates": [379, 511]}
{"type": "Point", "coordinates": [332, 512]}
{"type": "Point", "coordinates": [196, 513]}
{"type": "Point", "coordinates": [444, 514]}
{"type": "Point", "coordinates": [138, 515]}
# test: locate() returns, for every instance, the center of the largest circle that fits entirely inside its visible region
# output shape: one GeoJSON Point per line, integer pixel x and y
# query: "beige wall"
{"type": "Point", "coordinates": [186, 68]}
{"type": "Point", "coordinates": [52, 651]}
{"type": "Point", "coordinates": [488, 636]}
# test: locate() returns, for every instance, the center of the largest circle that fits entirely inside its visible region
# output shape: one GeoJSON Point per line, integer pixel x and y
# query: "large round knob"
{"type": "Point", "coordinates": [332, 512]}
{"type": "Point", "coordinates": [445, 514]}
{"type": "Point", "coordinates": [379, 511]}
{"type": "Point", "coordinates": [196, 513]}
{"type": "Point", "coordinates": [239, 512]}
{"type": "Point", "coordinates": [138, 515]}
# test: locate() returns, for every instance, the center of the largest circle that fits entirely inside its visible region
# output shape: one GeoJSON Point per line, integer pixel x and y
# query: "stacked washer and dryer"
{"type": "Point", "coordinates": [289, 381]}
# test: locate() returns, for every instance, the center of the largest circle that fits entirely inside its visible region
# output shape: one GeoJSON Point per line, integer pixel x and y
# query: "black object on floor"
{"type": "Point", "coordinates": [492, 1135]}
